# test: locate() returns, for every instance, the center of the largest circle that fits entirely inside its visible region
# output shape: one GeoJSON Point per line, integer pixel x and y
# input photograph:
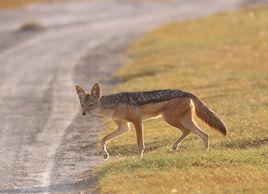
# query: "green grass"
{"type": "Point", "coordinates": [223, 60]}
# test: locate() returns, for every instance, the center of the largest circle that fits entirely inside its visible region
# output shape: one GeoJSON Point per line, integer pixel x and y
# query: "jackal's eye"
{"type": "Point", "coordinates": [82, 105]}
{"type": "Point", "coordinates": [90, 105]}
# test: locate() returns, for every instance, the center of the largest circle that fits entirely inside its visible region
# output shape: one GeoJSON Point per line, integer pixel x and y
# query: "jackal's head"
{"type": "Point", "coordinates": [89, 101]}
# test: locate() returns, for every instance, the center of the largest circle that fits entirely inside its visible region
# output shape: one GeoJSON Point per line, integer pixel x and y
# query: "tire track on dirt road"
{"type": "Point", "coordinates": [43, 142]}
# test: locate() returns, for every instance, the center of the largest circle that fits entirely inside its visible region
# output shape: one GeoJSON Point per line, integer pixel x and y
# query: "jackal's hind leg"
{"type": "Point", "coordinates": [173, 121]}
{"type": "Point", "coordinates": [122, 128]}
{"type": "Point", "coordinates": [181, 138]}
{"type": "Point", "coordinates": [188, 123]}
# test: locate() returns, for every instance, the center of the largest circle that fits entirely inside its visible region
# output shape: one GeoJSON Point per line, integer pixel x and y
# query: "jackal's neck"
{"type": "Point", "coordinates": [103, 111]}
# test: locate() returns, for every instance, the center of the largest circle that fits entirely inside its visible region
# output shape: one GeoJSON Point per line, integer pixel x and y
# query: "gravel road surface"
{"type": "Point", "coordinates": [45, 144]}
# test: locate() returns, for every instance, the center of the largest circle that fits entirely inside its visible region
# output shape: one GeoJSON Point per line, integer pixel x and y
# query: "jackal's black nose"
{"type": "Point", "coordinates": [84, 113]}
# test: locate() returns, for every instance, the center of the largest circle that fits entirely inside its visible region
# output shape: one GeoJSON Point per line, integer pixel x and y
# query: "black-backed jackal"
{"type": "Point", "coordinates": [175, 106]}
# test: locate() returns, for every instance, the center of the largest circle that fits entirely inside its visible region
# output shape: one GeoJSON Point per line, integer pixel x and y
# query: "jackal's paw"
{"type": "Point", "coordinates": [105, 155]}
{"type": "Point", "coordinates": [174, 148]}
{"type": "Point", "coordinates": [206, 144]}
{"type": "Point", "coordinates": [141, 153]}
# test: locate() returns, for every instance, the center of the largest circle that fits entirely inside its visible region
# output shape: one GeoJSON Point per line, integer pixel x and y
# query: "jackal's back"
{"type": "Point", "coordinates": [141, 98]}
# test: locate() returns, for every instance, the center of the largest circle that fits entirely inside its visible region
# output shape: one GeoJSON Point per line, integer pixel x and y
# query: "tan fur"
{"type": "Point", "coordinates": [178, 112]}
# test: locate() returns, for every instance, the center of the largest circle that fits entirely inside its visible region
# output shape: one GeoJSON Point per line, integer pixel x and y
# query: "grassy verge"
{"type": "Point", "coordinates": [17, 3]}
{"type": "Point", "coordinates": [222, 59]}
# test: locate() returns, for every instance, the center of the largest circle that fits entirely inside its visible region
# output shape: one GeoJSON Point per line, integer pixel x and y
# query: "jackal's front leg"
{"type": "Point", "coordinates": [122, 128]}
{"type": "Point", "coordinates": [140, 138]}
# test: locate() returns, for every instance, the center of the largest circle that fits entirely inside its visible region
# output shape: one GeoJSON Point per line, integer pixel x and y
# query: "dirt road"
{"type": "Point", "coordinates": [45, 145]}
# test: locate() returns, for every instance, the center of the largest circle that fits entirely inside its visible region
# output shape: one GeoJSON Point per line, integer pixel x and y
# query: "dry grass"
{"type": "Point", "coordinates": [17, 3]}
{"type": "Point", "coordinates": [223, 60]}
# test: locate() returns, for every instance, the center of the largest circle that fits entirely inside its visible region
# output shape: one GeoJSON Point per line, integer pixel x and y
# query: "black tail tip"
{"type": "Point", "coordinates": [224, 131]}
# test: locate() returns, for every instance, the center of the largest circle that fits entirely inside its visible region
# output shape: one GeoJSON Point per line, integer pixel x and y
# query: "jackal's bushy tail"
{"type": "Point", "coordinates": [208, 116]}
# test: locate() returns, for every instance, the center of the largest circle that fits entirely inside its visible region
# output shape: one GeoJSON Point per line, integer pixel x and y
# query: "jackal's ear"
{"type": "Point", "coordinates": [80, 91]}
{"type": "Point", "coordinates": [96, 90]}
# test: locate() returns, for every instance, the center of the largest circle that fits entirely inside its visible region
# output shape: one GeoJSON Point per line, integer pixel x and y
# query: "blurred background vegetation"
{"type": "Point", "coordinates": [17, 3]}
